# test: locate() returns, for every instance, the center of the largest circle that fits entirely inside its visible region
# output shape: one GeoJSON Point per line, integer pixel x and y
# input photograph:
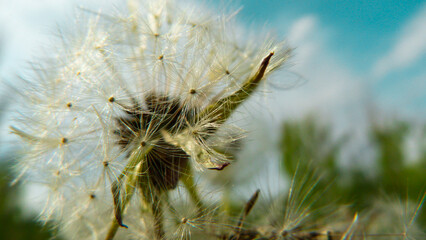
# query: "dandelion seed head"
{"type": "Point", "coordinates": [155, 83]}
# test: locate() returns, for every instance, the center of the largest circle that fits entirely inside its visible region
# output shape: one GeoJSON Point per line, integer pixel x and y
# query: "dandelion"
{"type": "Point", "coordinates": [130, 104]}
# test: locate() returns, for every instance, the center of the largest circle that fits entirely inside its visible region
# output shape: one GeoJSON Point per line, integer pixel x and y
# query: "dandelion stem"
{"type": "Point", "coordinates": [226, 200]}
{"type": "Point", "coordinates": [188, 181]}
{"type": "Point", "coordinates": [157, 211]}
{"type": "Point", "coordinates": [112, 230]}
{"type": "Point", "coordinates": [131, 172]}
{"type": "Point", "coordinates": [152, 197]}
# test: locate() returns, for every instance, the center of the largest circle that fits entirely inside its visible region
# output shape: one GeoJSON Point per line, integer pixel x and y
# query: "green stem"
{"type": "Point", "coordinates": [151, 195]}
{"type": "Point", "coordinates": [157, 212]}
{"type": "Point", "coordinates": [131, 172]}
{"type": "Point", "coordinates": [226, 200]}
{"type": "Point", "coordinates": [188, 181]}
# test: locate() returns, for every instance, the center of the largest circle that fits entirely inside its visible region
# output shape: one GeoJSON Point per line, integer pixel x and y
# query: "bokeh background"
{"type": "Point", "coordinates": [352, 101]}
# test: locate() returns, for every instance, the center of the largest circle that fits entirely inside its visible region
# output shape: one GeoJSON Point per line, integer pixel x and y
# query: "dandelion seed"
{"type": "Point", "coordinates": [146, 92]}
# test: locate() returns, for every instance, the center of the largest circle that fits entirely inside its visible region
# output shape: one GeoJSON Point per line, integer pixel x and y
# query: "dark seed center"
{"type": "Point", "coordinates": [165, 162]}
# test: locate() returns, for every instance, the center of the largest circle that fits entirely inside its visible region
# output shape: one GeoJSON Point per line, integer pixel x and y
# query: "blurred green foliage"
{"type": "Point", "coordinates": [305, 144]}
{"type": "Point", "coordinates": [13, 224]}
{"type": "Point", "coordinates": [309, 144]}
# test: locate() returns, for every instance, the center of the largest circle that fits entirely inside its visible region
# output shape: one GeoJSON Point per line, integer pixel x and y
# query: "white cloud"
{"type": "Point", "coordinates": [301, 28]}
{"type": "Point", "coordinates": [409, 47]}
{"type": "Point", "coordinates": [25, 27]}
{"type": "Point", "coordinates": [330, 84]}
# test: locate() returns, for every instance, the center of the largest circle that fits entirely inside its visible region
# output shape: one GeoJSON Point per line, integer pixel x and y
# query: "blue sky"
{"type": "Point", "coordinates": [367, 27]}
{"type": "Point", "coordinates": [381, 43]}
{"type": "Point", "coordinates": [352, 53]}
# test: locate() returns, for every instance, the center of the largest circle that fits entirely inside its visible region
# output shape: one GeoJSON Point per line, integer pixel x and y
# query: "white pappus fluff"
{"type": "Point", "coordinates": [153, 82]}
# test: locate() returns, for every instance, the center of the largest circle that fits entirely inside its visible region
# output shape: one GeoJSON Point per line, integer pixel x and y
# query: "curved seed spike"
{"type": "Point", "coordinates": [247, 208]}
{"type": "Point", "coordinates": [222, 109]}
{"type": "Point", "coordinates": [250, 204]}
